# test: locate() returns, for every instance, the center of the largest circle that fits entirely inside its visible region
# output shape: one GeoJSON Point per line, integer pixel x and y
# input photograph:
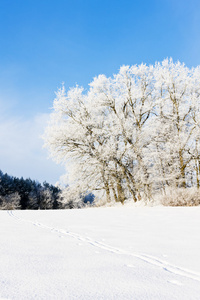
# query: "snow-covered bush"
{"type": "Point", "coordinates": [181, 197]}
{"type": "Point", "coordinates": [71, 198]}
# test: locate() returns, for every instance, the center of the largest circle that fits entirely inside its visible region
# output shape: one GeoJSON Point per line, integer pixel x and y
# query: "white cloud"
{"type": "Point", "coordinates": [21, 152]}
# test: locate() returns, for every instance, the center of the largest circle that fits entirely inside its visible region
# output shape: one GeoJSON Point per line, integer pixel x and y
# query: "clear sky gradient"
{"type": "Point", "coordinates": [46, 42]}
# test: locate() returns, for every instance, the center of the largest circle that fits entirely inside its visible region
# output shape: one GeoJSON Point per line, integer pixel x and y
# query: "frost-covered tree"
{"type": "Point", "coordinates": [101, 133]}
{"type": "Point", "coordinates": [10, 201]}
{"type": "Point", "coordinates": [130, 135]}
{"type": "Point", "coordinates": [178, 102]}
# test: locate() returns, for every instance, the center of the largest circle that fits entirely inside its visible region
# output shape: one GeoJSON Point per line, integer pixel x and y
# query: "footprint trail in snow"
{"type": "Point", "coordinates": [164, 265]}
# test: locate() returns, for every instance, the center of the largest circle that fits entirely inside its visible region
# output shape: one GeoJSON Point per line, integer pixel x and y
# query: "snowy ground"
{"type": "Point", "coordinates": [101, 253]}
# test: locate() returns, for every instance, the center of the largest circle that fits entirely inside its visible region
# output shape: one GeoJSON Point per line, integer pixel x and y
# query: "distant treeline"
{"type": "Point", "coordinates": [20, 193]}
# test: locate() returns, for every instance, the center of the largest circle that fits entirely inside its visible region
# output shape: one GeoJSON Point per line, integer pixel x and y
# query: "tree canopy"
{"type": "Point", "coordinates": [20, 193]}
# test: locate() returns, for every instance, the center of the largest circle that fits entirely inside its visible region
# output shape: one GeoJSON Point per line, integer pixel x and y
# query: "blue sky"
{"type": "Point", "coordinates": [46, 42]}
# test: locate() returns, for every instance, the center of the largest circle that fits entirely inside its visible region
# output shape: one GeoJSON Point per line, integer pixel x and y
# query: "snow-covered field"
{"type": "Point", "coordinates": [101, 253]}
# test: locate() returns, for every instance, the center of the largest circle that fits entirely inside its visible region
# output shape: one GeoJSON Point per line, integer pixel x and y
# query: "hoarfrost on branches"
{"type": "Point", "coordinates": [132, 135]}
